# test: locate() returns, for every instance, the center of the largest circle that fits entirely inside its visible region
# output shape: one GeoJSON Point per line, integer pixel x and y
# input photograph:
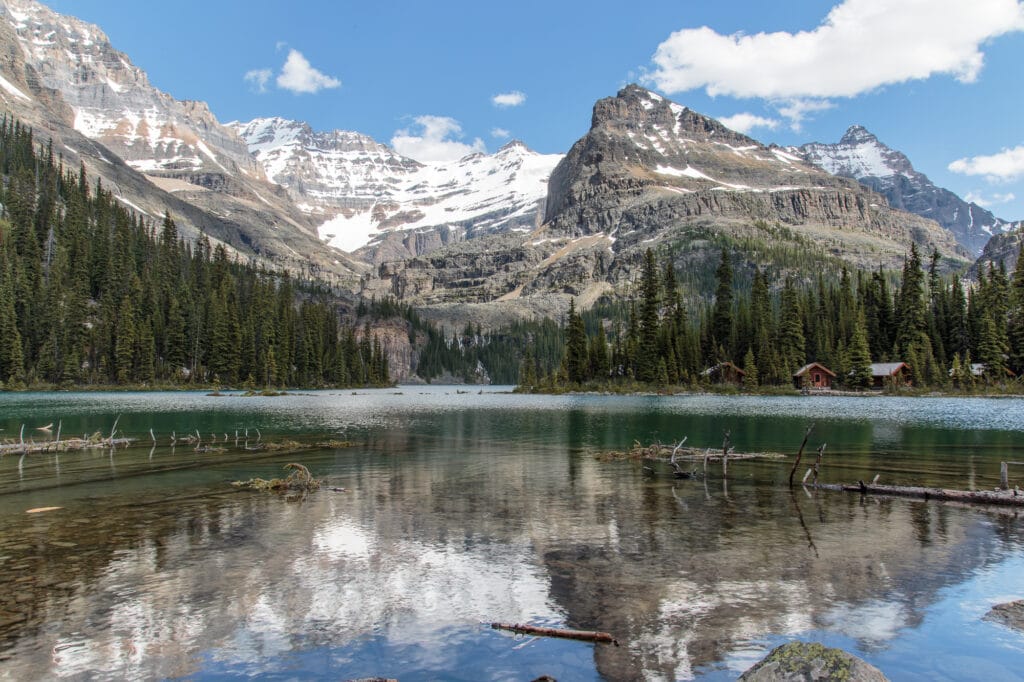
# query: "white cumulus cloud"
{"type": "Point", "coordinates": [993, 200]}
{"type": "Point", "coordinates": [509, 99]}
{"type": "Point", "coordinates": [500, 133]}
{"type": "Point", "coordinates": [258, 79]}
{"type": "Point", "coordinates": [1006, 165]}
{"type": "Point", "coordinates": [860, 45]}
{"type": "Point", "coordinates": [300, 77]}
{"type": "Point", "coordinates": [745, 122]}
{"type": "Point", "coordinates": [435, 139]}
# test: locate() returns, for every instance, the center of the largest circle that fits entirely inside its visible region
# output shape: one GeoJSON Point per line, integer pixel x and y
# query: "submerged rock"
{"type": "Point", "coordinates": [1010, 614]}
{"type": "Point", "coordinates": [813, 662]}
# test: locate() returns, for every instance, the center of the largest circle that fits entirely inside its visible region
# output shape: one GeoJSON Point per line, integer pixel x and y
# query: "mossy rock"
{"type": "Point", "coordinates": [811, 662]}
{"type": "Point", "coordinates": [1010, 614]}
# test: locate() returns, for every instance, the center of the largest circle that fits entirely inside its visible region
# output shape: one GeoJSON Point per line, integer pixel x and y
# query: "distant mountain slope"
{"type": "Point", "coordinates": [861, 156]}
{"type": "Point", "coordinates": [651, 173]}
{"type": "Point", "coordinates": [368, 195]}
{"type": "Point", "coordinates": [62, 77]}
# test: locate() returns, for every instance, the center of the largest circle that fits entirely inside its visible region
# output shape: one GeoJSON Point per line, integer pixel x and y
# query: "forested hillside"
{"type": "Point", "coordinates": [770, 329]}
{"type": "Point", "coordinates": [92, 294]}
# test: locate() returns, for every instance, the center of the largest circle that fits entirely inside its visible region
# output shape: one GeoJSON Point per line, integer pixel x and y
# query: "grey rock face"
{"type": "Point", "coordinates": [811, 662]}
{"type": "Point", "coordinates": [859, 155]}
{"type": "Point", "coordinates": [1002, 248]}
{"type": "Point", "coordinates": [648, 165]}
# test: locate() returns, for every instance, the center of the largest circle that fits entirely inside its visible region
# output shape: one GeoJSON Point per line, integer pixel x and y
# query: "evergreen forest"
{"type": "Point", "coordinates": [950, 337]}
{"type": "Point", "coordinates": [90, 294]}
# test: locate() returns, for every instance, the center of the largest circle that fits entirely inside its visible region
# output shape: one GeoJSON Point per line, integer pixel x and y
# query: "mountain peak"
{"type": "Point", "coordinates": [858, 134]}
{"type": "Point", "coordinates": [863, 157]}
{"type": "Point", "coordinates": [513, 144]}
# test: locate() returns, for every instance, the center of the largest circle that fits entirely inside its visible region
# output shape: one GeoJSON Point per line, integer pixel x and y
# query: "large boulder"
{"type": "Point", "coordinates": [811, 662]}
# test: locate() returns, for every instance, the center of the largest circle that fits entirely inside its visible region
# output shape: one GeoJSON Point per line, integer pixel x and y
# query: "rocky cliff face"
{"type": "Point", "coordinates": [859, 155]}
{"type": "Point", "coordinates": [649, 165]}
{"type": "Point", "coordinates": [1002, 248]}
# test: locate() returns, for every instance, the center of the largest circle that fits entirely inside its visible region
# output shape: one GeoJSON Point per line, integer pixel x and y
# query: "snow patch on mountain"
{"type": "Point", "coordinates": [861, 156]}
{"type": "Point", "coordinates": [364, 189]}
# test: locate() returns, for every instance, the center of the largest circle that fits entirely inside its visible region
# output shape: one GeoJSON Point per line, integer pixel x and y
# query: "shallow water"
{"type": "Point", "coordinates": [466, 507]}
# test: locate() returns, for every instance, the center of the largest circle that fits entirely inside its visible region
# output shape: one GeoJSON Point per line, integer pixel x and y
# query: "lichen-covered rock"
{"type": "Point", "coordinates": [1010, 614]}
{"type": "Point", "coordinates": [811, 661]}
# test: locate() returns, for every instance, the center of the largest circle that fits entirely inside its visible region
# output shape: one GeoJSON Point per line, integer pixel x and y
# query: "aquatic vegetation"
{"type": "Point", "coordinates": [299, 480]}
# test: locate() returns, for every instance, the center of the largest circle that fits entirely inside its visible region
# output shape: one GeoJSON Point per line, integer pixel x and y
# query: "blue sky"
{"type": "Point", "coordinates": [939, 80]}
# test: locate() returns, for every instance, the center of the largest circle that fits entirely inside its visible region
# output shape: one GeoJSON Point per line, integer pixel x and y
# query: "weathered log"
{"type": "Point", "coordinates": [582, 635]}
{"type": "Point", "coordinates": [1004, 497]}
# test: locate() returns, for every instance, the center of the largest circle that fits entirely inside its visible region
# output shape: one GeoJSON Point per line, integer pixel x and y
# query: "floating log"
{"type": "Point", "coordinates": [1004, 497]}
{"type": "Point", "coordinates": [66, 445]}
{"type": "Point", "coordinates": [582, 635]}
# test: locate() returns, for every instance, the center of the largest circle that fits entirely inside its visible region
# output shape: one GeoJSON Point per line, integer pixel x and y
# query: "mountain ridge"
{"type": "Point", "coordinates": [861, 156]}
{"type": "Point", "coordinates": [383, 206]}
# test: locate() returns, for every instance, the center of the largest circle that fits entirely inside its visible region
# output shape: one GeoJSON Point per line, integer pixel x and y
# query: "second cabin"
{"type": "Point", "coordinates": [814, 376]}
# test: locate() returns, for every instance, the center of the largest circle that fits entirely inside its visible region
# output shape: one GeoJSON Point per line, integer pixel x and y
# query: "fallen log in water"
{"type": "Point", "coordinates": [66, 445]}
{"type": "Point", "coordinates": [582, 635]}
{"type": "Point", "coordinates": [666, 453]}
{"type": "Point", "coordinates": [1005, 497]}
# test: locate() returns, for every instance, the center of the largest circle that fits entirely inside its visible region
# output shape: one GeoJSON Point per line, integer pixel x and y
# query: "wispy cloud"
{"type": "Point", "coordinates": [509, 99]}
{"type": "Point", "coordinates": [861, 45]}
{"type": "Point", "coordinates": [500, 133]}
{"type": "Point", "coordinates": [992, 200]}
{"type": "Point", "coordinates": [258, 79]}
{"type": "Point", "coordinates": [299, 76]}
{"type": "Point", "coordinates": [434, 139]}
{"type": "Point", "coordinates": [1004, 166]}
{"type": "Point", "coordinates": [745, 122]}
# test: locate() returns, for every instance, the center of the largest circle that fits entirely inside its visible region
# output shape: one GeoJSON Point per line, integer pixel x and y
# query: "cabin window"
{"type": "Point", "coordinates": [817, 378]}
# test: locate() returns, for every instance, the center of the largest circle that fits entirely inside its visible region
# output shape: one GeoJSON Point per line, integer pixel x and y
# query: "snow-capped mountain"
{"type": "Point", "coordinates": [113, 101]}
{"type": "Point", "coordinates": [157, 154]}
{"type": "Point", "coordinates": [325, 172]}
{"type": "Point", "coordinates": [861, 156]}
{"type": "Point", "coordinates": [365, 193]}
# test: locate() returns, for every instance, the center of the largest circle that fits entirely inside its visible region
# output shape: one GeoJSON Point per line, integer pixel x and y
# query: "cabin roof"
{"type": "Point", "coordinates": [803, 370]}
{"type": "Point", "coordinates": [886, 369]}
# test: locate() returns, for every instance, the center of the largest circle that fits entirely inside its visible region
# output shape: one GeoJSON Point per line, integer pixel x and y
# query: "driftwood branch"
{"type": "Point", "coordinates": [725, 454]}
{"type": "Point", "coordinates": [800, 454]}
{"type": "Point", "coordinates": [817, 463]}
{"type": "Point", "coordinates": [582, 635]}
{"type": "Point", "coordinates": [678, 470]}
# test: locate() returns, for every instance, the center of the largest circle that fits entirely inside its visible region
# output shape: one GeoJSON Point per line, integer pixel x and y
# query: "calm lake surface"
{"type": "Point", "coordinates": [465, 507]}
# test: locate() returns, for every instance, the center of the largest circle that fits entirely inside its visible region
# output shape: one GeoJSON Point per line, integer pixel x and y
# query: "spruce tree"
{"type": "Point", "coordinates": [648, 368]}
{"type": "Point", "coordinates": [860, 356]}
{"type": "Point", "coordinates": [575, 363]}
{"type": "Point", "coordinates": [750, 371]}
{"type": "Point", "coordinates": [722, 318]}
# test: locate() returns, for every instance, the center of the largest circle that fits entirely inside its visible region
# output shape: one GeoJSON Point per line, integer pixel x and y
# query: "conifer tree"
{"type": "Point", "coordinates": [575, 363]}
{"type": "Point", "coordinates": [722, 317]}
{"type": "Point", "coordinates": [860, 356]}
{"type": "Point", "coordinates": [750, 368]}
{"type": "Point", "coordinates": [647, 367]}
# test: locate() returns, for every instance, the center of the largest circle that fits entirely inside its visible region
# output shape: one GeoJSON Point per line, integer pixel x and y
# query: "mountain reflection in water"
{"type": "Point", "coordinates": [495, 511]}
